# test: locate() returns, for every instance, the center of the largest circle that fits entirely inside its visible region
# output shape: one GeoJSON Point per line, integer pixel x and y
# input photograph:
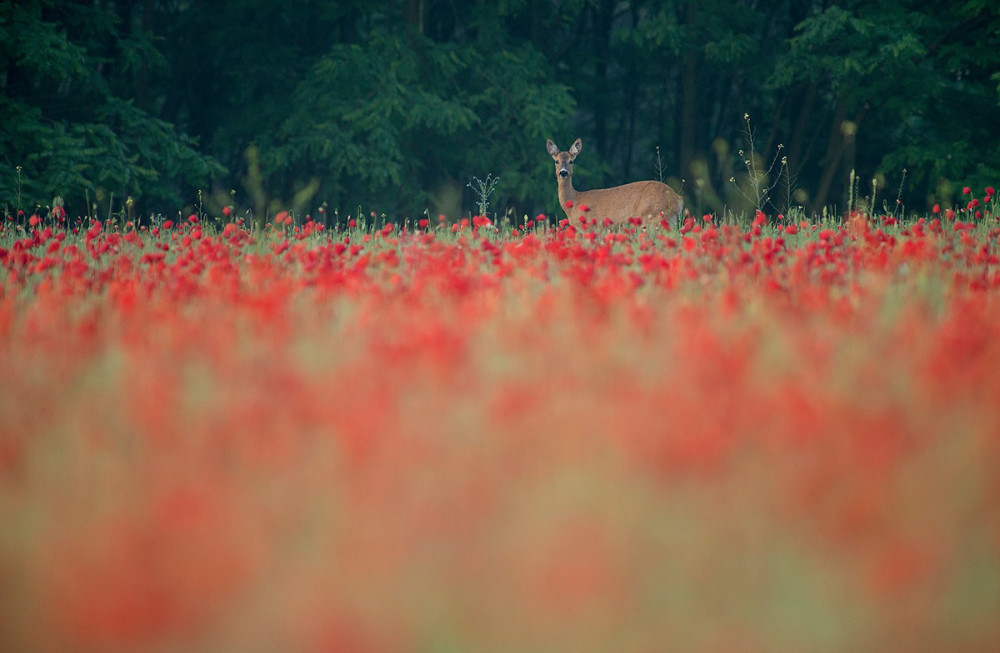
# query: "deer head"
{"type": "Point", "coordinates": [564, 160]}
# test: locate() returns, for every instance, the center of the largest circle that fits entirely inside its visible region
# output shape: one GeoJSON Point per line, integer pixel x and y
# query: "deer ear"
{"type": "Point", "coordinates": [576, 147]}
{"type": "Point", "coordinates": [552, 148]}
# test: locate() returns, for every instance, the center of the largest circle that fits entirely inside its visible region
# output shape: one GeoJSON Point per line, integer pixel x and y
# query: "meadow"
{"type": "Point", "coordinates": [769, 436]}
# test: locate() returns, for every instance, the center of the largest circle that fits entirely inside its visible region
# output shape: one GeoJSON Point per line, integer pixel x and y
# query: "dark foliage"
{"type": "Point", "coordinates": [395, 105]}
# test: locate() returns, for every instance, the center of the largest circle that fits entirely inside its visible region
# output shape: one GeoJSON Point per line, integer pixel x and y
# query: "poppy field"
{"type": "Point", "coordinates": [767, 436]}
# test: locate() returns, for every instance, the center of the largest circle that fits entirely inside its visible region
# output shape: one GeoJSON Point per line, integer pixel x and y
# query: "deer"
{"type": "Point", "coordinates": [649, 201]}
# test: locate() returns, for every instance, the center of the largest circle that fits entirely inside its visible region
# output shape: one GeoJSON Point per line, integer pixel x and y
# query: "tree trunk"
{"type": "Point", "coordinates": [688, 122]}
{"type": "Point", "coordinates": [796, 149]}
{"type": "Point", "coordinates": [602, 101]}
{"type": "Point", "coordinates": [834, 152]}
{"type": "Point", "coordinates": [634, 83]}
{"type": "Point", "coordinates": [415, 15]}
{"type": "Point", "coordinates": [840, 143]}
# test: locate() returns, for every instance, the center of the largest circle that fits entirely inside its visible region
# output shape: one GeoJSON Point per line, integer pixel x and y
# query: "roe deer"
{"type": "Point", "coordinates": [650, 201]}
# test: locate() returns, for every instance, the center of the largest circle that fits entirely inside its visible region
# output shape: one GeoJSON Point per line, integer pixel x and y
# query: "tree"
{"type": "Point", "coordinates": [68, 117]}
{"type": "Point", "coordinates": [420, 117]}
{"type": "Point", "coordinates": [902, 87]}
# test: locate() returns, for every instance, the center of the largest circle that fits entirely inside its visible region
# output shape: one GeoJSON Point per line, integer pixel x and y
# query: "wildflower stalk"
{"type": "Point", "coordinates": [20, 190]}
{"type": "Point", "coordinates": [659, 165]}
{"type": "Point", "coordinates": [850, 192]}
{"type": "Point", "coordinates": [758, 178]}
{"type": "Point", "coordinates": [483, 189]}
{"type": "Point", "coordinates": [899, 196]}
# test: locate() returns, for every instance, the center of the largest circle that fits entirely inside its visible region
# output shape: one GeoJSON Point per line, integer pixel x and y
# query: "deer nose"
{"type": "Point", "coordinates": [563, 172]}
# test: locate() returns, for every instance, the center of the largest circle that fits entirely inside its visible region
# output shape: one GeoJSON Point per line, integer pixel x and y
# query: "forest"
{"type": "Point", "coordinates": [401, 107]}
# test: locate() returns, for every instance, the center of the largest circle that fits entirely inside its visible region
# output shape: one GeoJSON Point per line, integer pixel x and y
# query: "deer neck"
{"type": "Point", "coordinates": [566, 191]}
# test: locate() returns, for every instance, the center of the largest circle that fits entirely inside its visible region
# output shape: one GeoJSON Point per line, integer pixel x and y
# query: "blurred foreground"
{"type": "Point", "coordinates": [758, 440]}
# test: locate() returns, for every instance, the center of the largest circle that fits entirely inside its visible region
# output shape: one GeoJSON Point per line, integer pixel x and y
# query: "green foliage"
{"type": "Point", "coordinates": [520, 105]}
{"type": "Point", "coordinates": [418, 112]}
{"type": "Point", "coordinates": [912, 82]}
{"type": "Point", "coordinates": [65, 119]}
{"type": "Point", "coordinates": [362, 139]}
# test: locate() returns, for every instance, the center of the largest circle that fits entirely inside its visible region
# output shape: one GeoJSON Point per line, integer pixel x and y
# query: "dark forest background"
{"type": "Point", "coordinates": [394, 106]}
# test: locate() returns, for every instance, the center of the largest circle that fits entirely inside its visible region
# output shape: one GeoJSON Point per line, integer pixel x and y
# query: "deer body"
{"type": "Point", "coordinates": [650, 201]}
